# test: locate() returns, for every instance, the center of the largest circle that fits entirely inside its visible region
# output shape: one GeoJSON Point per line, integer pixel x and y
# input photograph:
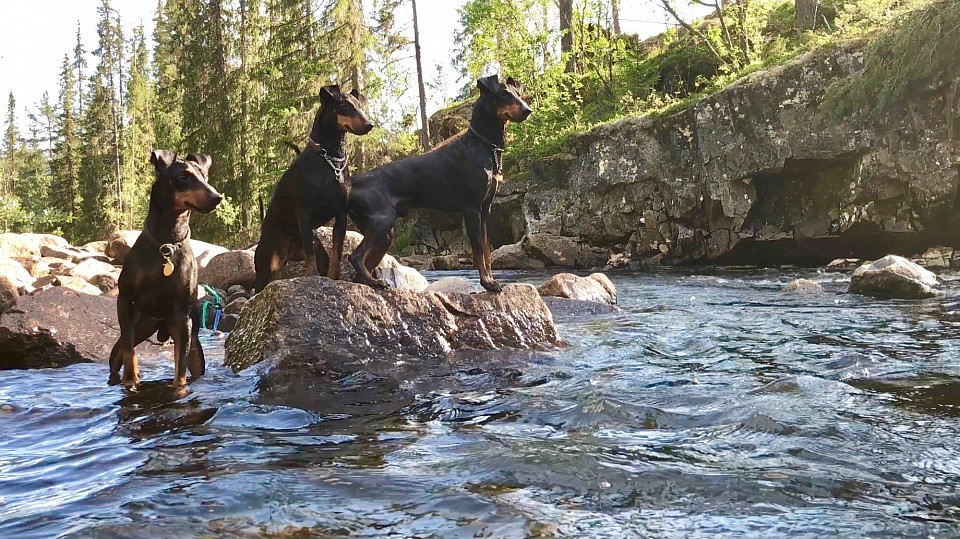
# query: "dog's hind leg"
{"type": "Point", "coordinates": [270, 257]}
{"type": "Point", "coordinates": [195, 360]}
{"type": "Point", "coordinates": [472, 222]}
{"type": "Point", "coordinates": [364, 259]}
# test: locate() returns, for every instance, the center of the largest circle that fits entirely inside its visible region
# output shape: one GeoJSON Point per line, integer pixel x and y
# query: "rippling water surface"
{"type": "Point", "coordinates": [713, 407]}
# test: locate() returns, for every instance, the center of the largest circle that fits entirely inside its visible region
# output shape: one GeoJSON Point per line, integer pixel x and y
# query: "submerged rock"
{"type": "Point", "coordinates": [315, 317]}
{"type": "Point", "coordinates": [597, 287]}
{"type": "Point", "coordinates": [844, 264]}
{"type": "Point", "coordinates": [894, 277]}
{"type": "Point", "coordinates": [803, 286]}
{"type": "Point", "coordinates": [572, 310]}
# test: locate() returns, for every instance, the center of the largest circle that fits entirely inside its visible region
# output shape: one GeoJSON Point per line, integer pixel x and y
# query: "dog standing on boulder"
{"type": "Point", "coordinates": [460, 175]}
{"type": "Point", "coordinates": [158, 283]}
{"type": "Point", "coordinates": [312, 191]}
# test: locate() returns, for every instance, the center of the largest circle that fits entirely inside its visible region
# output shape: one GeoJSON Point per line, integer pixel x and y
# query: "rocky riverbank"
{"type": "Point", "coordinates": [757, 173]}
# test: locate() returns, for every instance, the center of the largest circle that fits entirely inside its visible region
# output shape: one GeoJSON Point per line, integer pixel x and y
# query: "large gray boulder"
{"type": "Point", "coordinates": [315, 317]}
{"type": "Point", "coordinates": [597, 287]}
{"type": "Point", "coordinates": [894, 277]}
{"type": "Point", "coordinates": [230, 268]}
{"type": "Point", "coordinates": [803, 286]}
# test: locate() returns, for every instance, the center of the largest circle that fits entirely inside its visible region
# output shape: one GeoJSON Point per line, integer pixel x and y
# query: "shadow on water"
{"type": "Point", "coordinates": [713, 406]}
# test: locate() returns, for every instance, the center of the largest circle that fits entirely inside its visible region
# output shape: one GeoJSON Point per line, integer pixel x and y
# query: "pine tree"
{"type": "Point", "coordinates": [139, 138]}
{"type": "Point", "coordinates": [65, 192]}
{"type": "Point", "coordinates": [11, 138]}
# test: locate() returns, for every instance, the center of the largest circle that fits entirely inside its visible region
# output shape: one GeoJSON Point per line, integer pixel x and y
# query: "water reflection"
{"type": "Point", "coordinates": [714, 406]}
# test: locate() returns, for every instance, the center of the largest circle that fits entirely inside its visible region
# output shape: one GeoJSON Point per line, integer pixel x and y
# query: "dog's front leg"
{"type": "Point", "coordinates": [472, 221]}
{"type": "Point", "coordinates": [180, 328]}
{"type": "Point", "coordinates": [195, 360]}
{"type": "Point", "coordinates": [339, 233]}
{"type": "Point", "coordinates": [124, 353]}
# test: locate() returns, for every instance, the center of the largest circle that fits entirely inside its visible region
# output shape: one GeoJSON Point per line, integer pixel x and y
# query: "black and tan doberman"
{"type": "Point", "coordinates": [313, 191]}
{"type": "Point", "coordinates": [158, 283]}
{"type": "Point", "coordinates": [460, 175]}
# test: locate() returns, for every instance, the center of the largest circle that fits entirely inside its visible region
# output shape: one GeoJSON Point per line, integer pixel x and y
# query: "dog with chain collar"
{"type": "Point", "coordinates": [313, 191]}
{"type": "Point", "coordinates": [158, 283]}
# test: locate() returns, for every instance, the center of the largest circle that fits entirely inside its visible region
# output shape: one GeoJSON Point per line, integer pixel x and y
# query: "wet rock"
{"type": "Point", "coordinates": [844, 264]}
{"type": "Point", "coordinates": [8, 294]}
{"type": "Point", "coordinates": [352, 320]}
{"type": "Point", "coordinates": [571, 310]}
{"type": "Point", "coordinates": [236, 306]}
{"type": "Point", "coordinates": [453, 285]}
{"type": "Point", "coordinates": [446, 262]}
{"type": "Point", "coordinates": [418, 262]}
{"type": "Point", "coordinates": [120, 243]}
{"type": "Point", "coordinates": [514, 256]}
{"type": "Point", "coordinates": [894, 277]}
{"type": "Point", "coordinates": [597, 287]}
{"type": "Point", "coordinates": [37, 349]}
{"type": "Point", "coordinates": [228, 323]}
{"type": "Point", "coordinates": [803, 286]}
{"type": "Point", "coordinates": [230, 268]}
{"type": "Point", "coordinates": [403, 278]}
{"type": "Point", "coordinates": [87, 322]}
{"type": "Point", "coordinates": [17, 274]}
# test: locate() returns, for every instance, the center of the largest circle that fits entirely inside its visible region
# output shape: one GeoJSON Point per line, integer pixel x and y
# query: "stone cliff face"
{"type": "Point", "coordinates": [755, 173]}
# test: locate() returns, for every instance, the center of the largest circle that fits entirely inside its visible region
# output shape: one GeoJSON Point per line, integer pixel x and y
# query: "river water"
{"type": "Point", "coordinates": [713, 407]}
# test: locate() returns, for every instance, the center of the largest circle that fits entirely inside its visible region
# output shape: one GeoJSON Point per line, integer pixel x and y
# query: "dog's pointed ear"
{"type": "Point", "coordinates": [331, 93]}
{"type": "Point", "coordinates": [490, 84]}
{"type": "Point", "coordinates": [162, 159]}
{"type": "Point", "coordinates": [203, 160]}
{"type": "Point", "coordinates": [515, 84]}
{"type": "Point", "coordinates": [359, 97]}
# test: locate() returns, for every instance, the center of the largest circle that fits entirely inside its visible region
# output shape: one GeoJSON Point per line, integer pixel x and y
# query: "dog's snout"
{"type": "Point", "coordinates": [216, 198]}
{"type": "Point", "coordinates": [367, 127]}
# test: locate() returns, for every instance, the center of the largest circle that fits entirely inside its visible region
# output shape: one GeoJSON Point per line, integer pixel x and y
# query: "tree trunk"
{"type": "Point", "coordinates": [566, 33]}
{"type": "Point", "coordinates": [806, 14]}
{"type": "Point", "coordinates": [615, 12]}
{"type": "Point", "coordinates": [425, 125]}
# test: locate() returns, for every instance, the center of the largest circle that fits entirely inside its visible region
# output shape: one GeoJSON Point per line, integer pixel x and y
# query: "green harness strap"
{"type": "Point", "coordinates": [217, 305]}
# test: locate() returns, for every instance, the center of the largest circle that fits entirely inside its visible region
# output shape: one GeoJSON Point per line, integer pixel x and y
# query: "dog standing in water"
{"type": "Point", "coordinates": [158, 283]}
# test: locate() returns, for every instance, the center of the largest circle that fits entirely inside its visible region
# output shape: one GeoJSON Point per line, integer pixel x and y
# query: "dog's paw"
{"type": "Point", "coordinates": [492, 285]}
{"type": "Point", "coordinates": [114, 379]}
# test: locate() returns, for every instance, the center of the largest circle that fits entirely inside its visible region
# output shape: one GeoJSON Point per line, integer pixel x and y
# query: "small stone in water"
{"type": "Point", "coordinates": [605, 484]}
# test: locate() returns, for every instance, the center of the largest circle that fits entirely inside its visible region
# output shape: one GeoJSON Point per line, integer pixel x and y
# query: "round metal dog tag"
{"type": "Point", "coordinates": [167, 268]}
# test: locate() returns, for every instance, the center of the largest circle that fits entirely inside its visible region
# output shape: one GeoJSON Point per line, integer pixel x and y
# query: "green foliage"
{"type": "Point", "coordinates": [899, 58]}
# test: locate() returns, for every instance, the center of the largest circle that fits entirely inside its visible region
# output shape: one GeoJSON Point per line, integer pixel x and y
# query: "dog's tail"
{"type": "Point", "coordinates": [296, 149]}
{"type": "Point", "coordinates": [263, 213]}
